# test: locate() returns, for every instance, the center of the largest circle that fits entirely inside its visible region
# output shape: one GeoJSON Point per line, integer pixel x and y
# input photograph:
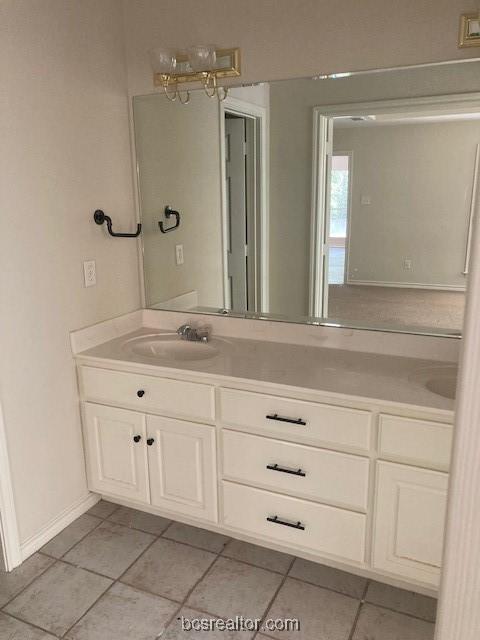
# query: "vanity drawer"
{"type": "Point", "coordinates": [327, 530]}
{"type": "Point", "coordinates": [163, 395]}
{"type": "Point", "coordinates": [318, 474]}
{"type": "Point", "coordinates": [289, 419]}
{"type": "Point", "coordinates": [417, 442]}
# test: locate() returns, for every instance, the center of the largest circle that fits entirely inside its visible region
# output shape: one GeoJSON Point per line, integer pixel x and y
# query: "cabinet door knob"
{"type": "Point", "coordinates": [150, 441]}
{"type": "Point", "coordinates": [137, 438]}
{"type": "Point", "coordinates": [140, 393]}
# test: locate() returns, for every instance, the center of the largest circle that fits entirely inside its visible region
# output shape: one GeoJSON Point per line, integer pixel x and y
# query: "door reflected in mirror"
{"type": "Point", "coordinates": [358, 214]}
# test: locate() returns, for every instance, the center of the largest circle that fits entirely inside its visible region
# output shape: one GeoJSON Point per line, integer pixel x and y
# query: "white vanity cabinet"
{"type": "Point", "coordinates": [409, 521]}
{"type": "Point", "coordinates": [338, 480]}
{"type": "Point", "coordinates": [182, 467]}
{"type": "Point", "coordinates": [150, 459]}
{"type": "Point", "coordinates": [116, 454]}
{"type": "Point", "coordinates": [411, 501]}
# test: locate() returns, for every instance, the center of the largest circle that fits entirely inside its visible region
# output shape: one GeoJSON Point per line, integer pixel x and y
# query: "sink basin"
{"type": "Point", "coordinates": [443, 386]}
{"type": "Point", "coordinates": [170, 346]}
{"type": "Point", "coordinates": [441, 380]}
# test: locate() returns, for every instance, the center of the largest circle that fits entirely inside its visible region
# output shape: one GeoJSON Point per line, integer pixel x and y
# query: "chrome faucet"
{"type": "Point", "coordinates": [193, 334]}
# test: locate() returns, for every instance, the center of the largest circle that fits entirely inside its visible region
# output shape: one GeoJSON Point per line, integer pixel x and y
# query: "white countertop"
{"type": "Point", "coordinates": [353, 373]}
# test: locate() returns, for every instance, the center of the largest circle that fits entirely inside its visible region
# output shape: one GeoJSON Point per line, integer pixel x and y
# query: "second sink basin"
{"type": "Point", "coordinates": [445, 386]}
{"type": "Point", "coordinates": [441, 380]}
{"type": "Point", "coordinates": [170, 346]}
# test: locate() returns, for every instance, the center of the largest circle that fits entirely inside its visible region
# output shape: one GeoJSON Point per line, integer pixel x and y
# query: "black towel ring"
{"type": "Point", "coordinates": [169, 212]}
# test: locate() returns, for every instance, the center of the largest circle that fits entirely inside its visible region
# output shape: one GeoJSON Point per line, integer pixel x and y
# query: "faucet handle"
{"type": "Point", "coordinates": [183, 329]}
{"type": "Point", "coordinates": [203, 334]}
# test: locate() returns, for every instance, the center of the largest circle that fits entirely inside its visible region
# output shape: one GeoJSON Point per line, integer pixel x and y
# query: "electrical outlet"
{"type": "Point", "coordinates": [365, 200]}
{"type": "Point", "coordinates": [90, 273]}
{"type": "Point", "coordinates": [179, 253]}
{"type": "Point", "coordinates": [407, 264]}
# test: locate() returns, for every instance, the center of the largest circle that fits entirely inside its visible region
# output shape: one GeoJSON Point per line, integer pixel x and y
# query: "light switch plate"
{"type": "Point", "coordinates": [90, 273]}
{"type": "Point", "coordinates": [179, 253]}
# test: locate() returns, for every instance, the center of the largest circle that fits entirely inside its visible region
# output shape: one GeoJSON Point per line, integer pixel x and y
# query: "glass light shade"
{"type": "Point", "coordinates": [202, 57]}
{"type": "Point", "coordinates": [162, 60]}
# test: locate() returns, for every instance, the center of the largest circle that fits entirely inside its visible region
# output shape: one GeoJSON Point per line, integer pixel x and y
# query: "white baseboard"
{"type": "Point", "coordinates": [406, 285]}
{"type": "Point", "coordinates": [55, 526]}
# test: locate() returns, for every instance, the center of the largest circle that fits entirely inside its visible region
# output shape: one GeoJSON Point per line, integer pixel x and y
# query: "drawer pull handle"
{"type": "Point", "coordinates": [137, 438]}
{"type": "Point", "coordinates": [150, 441]}
{"type": "Point", "coordinates": [286, 523]}
{"type": "Point", "coordinates": [278, 418]}
{"type": "Point", "coordinates": [293, 472]}
{"type": "Point", "coordinates": [140, 393]}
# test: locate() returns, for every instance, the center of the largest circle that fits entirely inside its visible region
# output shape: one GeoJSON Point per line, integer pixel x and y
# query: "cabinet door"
{"type": "Point", "coordinates": [409, 521]}
{"type": "Point", "coordinates": [116, 452]}
{"type": "Point", "coordinates": [182, 465]}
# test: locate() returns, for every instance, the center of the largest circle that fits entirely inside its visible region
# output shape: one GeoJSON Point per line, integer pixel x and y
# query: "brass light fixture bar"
{"type": "Point", "coordinates": [227, 65]}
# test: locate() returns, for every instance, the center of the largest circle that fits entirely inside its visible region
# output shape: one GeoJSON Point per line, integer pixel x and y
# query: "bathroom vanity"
{"type": "Point", "coordinates": [333, 455]}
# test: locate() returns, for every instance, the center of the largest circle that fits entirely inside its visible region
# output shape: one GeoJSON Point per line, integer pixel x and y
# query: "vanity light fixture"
{"type": "Point", "coordinates": [200, 63]}
{"type": "Point", "coordinates": [469, 35]}
{"type": "Point", "coordinates": [164, 64]}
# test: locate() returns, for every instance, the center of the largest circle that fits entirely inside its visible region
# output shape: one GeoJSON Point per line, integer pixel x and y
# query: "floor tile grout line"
{"type": "Point", "coordinates": [170, 619]}
{"type": "Point", "coordinates": [190, 591]}
{"type": "Point", "coordinates": [117, 507]}
{"type": "Point", "coordinates": [114, 581]}
{"type": "Point", "coordinates": [50, 566]}
{"type": "Point", "coordinates": [273, 598]}
{"type": "Point", "coordinates": [75, 543]}
{"type": "Point", "coordinates": [321, 586]}
{"type": "Point", "coordinates": [189, 544]}
{"type": "Point", "coordinates": [64, 635]}
{"type": "Point", "coordinates": [184, 603]}
{"type": "Point", "coordinates": [79, 566]}
{"type": "Point", "coordinates": [403, 613]}
{"type": "Point", "coordinates": [57, 561]}
{"type": "Point", "coordinates": [257, 566]}
{"type": "Point", "coordinates": [30, 624]}
{"type": "Point", "coordinates": [359, 610]}
{"type": "Point", "coordinates": [119, 581]}
{"type": "Point", "coordinates": [131, 526]}
{"type": "Point", "coordinates": [29, 584]}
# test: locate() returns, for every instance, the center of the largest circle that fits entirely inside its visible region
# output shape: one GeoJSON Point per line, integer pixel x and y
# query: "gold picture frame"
{"type": "Point", "coordinates": [227, 66]}
{"type": "Point", "coordinates": [469, 34]}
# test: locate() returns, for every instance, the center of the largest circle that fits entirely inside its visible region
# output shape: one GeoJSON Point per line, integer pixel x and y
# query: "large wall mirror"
{"type": "Point", "coordinates": [345, 200]}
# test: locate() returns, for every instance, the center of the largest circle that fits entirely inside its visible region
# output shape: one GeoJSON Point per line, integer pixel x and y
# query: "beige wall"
{"type": "Point", "coordinates": [291, 123]}
{"type": "Point", "coordinates": [285, 38]}
{"type": "Point", "coordinates": [419, 180]}
{"type": "Point", "coordinates": [64, 152]}
{"type": "Point", "coordinates": [178, 151]}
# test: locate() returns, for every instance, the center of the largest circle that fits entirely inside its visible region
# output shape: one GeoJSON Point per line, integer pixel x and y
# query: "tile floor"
{"type": "Point", "coordinates": [120, 574]}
